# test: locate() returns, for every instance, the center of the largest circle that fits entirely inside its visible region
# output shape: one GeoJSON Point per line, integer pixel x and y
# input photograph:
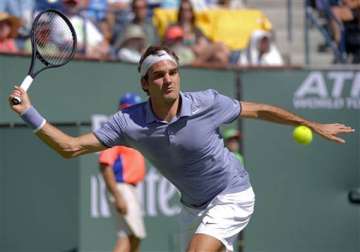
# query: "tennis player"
{"type": "Point", "coordinates": [122, 169]}
{"type": "Point", "coordinates": [179, 133]}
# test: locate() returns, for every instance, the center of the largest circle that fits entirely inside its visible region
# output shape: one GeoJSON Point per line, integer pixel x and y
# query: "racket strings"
{"type": "Point", "coordinates": [54, 40]}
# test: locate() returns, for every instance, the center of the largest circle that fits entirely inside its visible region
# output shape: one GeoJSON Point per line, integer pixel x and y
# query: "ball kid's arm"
{"type": "Point", "coordinates": [66, 145]}
{"type": "Point", "coordinates": [110, 181]}
{"type": "Point", "coordinates": [279, 115]}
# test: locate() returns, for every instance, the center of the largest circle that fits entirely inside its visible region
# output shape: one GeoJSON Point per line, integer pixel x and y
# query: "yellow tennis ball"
{"type": "Point", "coordinates": [302, 135]}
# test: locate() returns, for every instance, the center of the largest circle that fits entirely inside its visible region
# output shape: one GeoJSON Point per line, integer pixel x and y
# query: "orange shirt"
{"type": "Point", "coordinates": [128, 164]}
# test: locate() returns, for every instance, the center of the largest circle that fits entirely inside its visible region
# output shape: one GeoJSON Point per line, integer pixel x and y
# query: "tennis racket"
{"type": "Point", "coordinates": [53, 42]}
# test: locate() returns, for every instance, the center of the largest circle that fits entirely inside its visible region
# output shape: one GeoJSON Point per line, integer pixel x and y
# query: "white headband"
{"type": "Point", "coordinates": [152, 59]}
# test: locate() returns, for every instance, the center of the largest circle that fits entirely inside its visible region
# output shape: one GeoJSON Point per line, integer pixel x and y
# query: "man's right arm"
{"type": "Point", "coordinates": [111, 185]}
{"type": "Point", "coordinates": [67, 146]}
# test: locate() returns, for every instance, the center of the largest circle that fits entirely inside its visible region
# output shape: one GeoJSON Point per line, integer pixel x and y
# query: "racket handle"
{"type": "Point", "coordinates": [15, 100]}
{"type": "Point", "coordinates": [24, 85]}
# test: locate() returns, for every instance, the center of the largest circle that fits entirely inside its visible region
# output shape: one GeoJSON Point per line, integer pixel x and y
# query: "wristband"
{"type": "Point", "coordinates": [33, 118]}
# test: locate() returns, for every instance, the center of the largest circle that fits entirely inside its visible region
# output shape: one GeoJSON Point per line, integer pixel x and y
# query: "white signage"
{"type": "Point", "coordinates": [329, 90]}
{"type": "Point", "coordinates": [157, 195]}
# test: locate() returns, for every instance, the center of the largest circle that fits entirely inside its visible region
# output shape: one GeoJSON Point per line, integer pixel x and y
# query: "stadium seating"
{"type": "Point", "coordinates": [232, 27]}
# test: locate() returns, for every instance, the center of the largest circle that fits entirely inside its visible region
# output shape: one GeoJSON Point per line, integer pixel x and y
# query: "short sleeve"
{"type": "Point", "coordinates": [226, 109]}
{"type": "Point", "coordinates": [112, 131]}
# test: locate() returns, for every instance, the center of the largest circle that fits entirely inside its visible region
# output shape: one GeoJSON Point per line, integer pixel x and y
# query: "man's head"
{"type": "Point", "coordinates": [144, 66]}
{"type": "Point", "coordinates": [159, 73]}
{"type": "Point", "coordinates": [129, 99]}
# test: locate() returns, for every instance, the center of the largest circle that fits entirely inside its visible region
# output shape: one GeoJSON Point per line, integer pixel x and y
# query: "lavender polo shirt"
{"type": "Point", "coordinates": [189, 151]}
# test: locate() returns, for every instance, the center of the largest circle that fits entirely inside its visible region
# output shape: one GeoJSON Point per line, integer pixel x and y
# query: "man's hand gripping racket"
{"type": "Point", "coordinates": [53, 41]}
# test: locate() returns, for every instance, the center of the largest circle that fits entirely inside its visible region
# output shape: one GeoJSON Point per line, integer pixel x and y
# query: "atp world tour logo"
{"type": "Point", "coordinates": [329, 90]}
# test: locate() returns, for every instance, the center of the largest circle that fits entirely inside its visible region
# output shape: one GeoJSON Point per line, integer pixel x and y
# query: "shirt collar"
{"type": "Point", "coordinates": [149, 115]}
{"type": "Point", "coordinates": [185, 109]}
{"type": "Point", "coordinates": [185, 106]}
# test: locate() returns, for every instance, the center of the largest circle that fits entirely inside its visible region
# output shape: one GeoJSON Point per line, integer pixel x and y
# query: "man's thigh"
{"type": "Point", "coordinates": [205, 243]}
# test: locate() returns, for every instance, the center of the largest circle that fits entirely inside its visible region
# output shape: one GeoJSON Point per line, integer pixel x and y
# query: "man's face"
{"type": "Point", "coordinates": [163, 82]}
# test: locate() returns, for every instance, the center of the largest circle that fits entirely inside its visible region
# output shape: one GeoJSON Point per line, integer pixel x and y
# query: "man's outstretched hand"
{"type": "Point", "coordinates": [332, 131]}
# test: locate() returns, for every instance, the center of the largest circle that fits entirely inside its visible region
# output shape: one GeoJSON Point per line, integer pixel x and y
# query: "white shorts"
{"type": "Point", "coordinates": [132, 223]}
{"type": "Point", "coordinates": [224, 218]}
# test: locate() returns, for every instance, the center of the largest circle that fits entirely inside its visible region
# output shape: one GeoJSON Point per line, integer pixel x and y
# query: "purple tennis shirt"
{"type": "Point", "coordinates": [189, 151]}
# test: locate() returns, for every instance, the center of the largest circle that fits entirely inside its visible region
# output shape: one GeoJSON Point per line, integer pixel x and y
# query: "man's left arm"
{"type": "Point", "coordinates": [279, 115]}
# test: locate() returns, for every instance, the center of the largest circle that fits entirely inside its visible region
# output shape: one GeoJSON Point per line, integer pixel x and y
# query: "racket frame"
{"type": "Point", "coordinates": [36, 53]}
{"type": "Point", "coordinates": [26, 83]}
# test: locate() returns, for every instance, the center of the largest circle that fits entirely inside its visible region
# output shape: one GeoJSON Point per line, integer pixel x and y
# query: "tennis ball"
{"type": "Point", "coordinates": [302, 135]}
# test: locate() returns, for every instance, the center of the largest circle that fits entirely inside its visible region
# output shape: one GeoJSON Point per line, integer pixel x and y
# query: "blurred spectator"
{"type": "Point", "coordinates": [9, 26]}
{"type": "Point", "coordinates": [202, 5]}
{"type": "Point", "coordinates": [170, 4]}
{"type": "Point", "coordinates": [23, 9]}
{"type": "Point", "coordinates": [173, 39]}
{"type": "Point", "coordinates": [116, 5]}
{"type": "Point", "coordinates": [133, 44]}
{"type": "Point", "coordinates": [231, 4]}
{"type": "Point", "coordinates": [349, 14]}
{"type": "Point", "coordinates": [232, 142]}
{"type": "Point", "coordinates": [91, 41]}
{"type": "Point", "coordinates": [140, 17]}
{"type": "Point", "coordinates": [198, 5]}
{"type": "Point", "coordinates": [117, 16]}
{"type": "Point", "coordinates": [96, 11]}
{"type": "Point", "coordinates": [41, 5]}
{"type": "Point", "coordinates": [327, 21]}
{"type": "Point", "coordinates": [204, 50]}
{"type": "Point", "coordinates": [261, 51]}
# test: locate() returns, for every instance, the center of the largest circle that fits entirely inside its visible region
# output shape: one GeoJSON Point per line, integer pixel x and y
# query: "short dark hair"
{"type": "Point", "coordinates": [153, 50]}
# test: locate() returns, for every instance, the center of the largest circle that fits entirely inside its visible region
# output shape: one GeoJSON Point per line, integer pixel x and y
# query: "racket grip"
{"type": "Point", "coordinates": [24, 85]}
{"type": "Point", "coordinates": [26, 82]}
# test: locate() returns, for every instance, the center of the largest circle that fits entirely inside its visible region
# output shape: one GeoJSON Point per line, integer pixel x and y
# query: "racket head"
{"type": "Point", "coordinates": [53, 40]}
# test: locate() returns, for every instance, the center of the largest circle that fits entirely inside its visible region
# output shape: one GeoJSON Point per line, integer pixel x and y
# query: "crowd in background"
{"type": "Point", "coordinates": [122, 30]}
{"type": "Point", "coordinates": [341, 19]}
